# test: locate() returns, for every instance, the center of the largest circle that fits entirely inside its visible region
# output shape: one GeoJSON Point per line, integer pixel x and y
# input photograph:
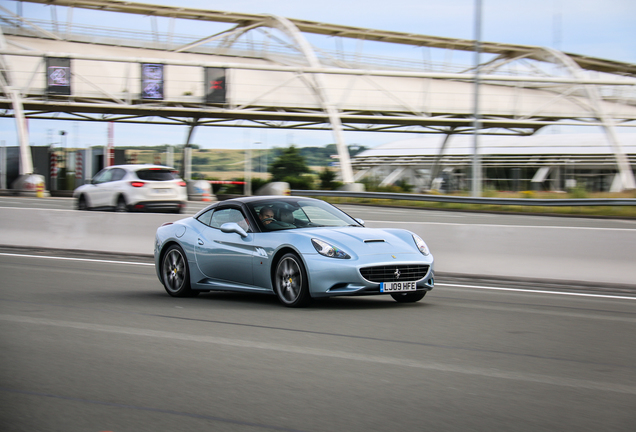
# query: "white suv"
{"type": "Point", "coordinates": [134, 188]}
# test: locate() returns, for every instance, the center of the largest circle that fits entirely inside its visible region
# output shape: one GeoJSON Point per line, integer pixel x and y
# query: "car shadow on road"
{"type": "Point", "coordinates": [333, 303]}
{"type": "Point", "coordinates": [238, 300]}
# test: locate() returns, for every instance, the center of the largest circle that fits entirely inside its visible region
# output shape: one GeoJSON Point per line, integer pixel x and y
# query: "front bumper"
{"type": "Point", "coordinates": [341, 277]}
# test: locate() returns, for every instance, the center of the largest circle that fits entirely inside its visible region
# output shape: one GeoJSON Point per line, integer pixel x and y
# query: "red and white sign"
{"type": "Point", "coordinates": [53, 165]}
{"type": "Point", "coordinates": [79, 165]}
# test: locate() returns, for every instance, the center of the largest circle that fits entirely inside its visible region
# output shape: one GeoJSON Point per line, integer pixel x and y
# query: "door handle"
{"type": "Point", "coordinates": [200, 242]}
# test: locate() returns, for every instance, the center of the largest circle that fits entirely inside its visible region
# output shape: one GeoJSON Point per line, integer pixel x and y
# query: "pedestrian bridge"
{"type": "Point", "coordinates": [262, 72]}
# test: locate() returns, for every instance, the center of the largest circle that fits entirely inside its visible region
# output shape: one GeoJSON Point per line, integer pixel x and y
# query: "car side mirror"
{"type": "Point", "coordinates": [232, 227]}
{"type": "Point", "coordinates": [360, 221]}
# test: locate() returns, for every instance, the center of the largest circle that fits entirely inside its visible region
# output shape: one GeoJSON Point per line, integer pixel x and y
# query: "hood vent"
{"type": "Point", "coordinates": [374, 241]}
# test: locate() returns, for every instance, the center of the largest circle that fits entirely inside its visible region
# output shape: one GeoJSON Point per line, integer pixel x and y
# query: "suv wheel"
{"type": "Point", "coordinates": [121, 205]}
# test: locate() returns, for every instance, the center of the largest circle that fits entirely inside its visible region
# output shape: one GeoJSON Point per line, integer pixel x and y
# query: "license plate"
{"type": "Point", "coordinates": [397, 286]}
{"type": "Point", "coordinates": [163, 191]}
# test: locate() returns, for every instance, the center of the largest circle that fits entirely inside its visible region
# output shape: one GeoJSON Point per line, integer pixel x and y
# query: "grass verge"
{"type": "Point", "coordinates": [618, 212]}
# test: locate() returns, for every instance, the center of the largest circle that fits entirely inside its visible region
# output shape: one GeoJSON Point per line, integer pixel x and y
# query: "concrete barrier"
{"type": "Point", "coordinates": [591, 255]}
{"type": "Point", "coordinates": [91, 231]}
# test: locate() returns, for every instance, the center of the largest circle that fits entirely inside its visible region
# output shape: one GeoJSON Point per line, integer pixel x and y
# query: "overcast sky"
{"type": "Point", "coordinates": [595, 28]}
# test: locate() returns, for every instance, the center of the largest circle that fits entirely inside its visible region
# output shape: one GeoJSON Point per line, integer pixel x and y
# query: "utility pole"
{"type": "Point", "coordinates": [476, 181]}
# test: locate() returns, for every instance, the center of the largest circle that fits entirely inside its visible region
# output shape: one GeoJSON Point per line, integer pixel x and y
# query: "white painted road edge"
{"type": "Point", "coordinates": [437, 284]}
{"type": "Point", "coordinates": [535, 291]}
{"type": "Point", "coordinates": [77, 259]}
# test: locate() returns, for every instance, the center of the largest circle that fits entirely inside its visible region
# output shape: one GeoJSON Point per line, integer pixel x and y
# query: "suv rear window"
{"type": "Point", "coordinates": [157, 174]}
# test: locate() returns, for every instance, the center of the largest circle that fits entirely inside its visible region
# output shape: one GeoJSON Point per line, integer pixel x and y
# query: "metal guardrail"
{"type": "Point", "coordinates": [575, 202]}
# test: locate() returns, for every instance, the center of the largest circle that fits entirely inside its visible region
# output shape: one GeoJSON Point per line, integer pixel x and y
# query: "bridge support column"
{"type": "Point", "coordinates": [186, 163]}
{"type": "Point", "coordinates": [624, 169]}
{"type": "Point", "coordinates": [438, 158]}
{"type": "Point", "coordinates": [287, 27]}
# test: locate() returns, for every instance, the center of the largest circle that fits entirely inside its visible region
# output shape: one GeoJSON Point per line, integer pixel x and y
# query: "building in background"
{"type": "Point", "coordinates": [554, 162]}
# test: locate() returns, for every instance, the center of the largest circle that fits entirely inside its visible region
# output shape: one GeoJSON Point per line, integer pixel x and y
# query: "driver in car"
{"type": "Point", "coordinates": [266, 215]}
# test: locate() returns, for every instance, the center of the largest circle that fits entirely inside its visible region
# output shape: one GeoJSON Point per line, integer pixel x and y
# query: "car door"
{"type": "Point", "coordinates": [116, 186]}
{"type": "Point", "coordinates": [98, 194]}
{"type": "Point", "coordinates": [226, 256]}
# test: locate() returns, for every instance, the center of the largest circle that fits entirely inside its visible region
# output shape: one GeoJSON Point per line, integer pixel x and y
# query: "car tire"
{"type": "Point", "coordinates": [175, 274]}
{"type": "Point", "coordinates": [290, 282]}
{"type": "Point", "coordinates": [408, 297]}
{"type": "Point", "coordinates": [121, 205]}
{"type": "Point", "coordinates": [82, 203]}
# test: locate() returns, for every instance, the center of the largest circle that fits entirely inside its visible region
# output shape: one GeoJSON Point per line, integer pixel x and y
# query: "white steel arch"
{"type": "Point", "coordinates": [625, 171]}
{"type": "Point", "coordinates": [292, 31]}
{"type": "Point", "coordinates": [346, 94]}
{"type": "Point", "coordinates": [7, 85]}
{"type": "Point", "coordinates": [316, 81]}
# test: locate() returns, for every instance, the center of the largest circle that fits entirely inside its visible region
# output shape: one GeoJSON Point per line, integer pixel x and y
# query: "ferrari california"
{"type": "Point", "coordinates": [294, 247]}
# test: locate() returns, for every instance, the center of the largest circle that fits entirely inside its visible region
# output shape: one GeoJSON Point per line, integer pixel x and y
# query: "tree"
{"type": "Point", "coordinates": [290, 166]}
{"type": "Point", "coordinates": [290, 163]}
{"type": "Point", "coordinates": [327, 178]}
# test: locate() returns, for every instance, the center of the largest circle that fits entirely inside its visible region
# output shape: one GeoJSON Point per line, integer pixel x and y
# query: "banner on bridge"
{"type": "Point", "coordinates": [215, 85]}
{"type": "Point", "coordinates": [58, 76]}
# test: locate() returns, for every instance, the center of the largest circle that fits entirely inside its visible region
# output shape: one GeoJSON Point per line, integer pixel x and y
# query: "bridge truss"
{"type": "Point", "coordinates": [276, 78]}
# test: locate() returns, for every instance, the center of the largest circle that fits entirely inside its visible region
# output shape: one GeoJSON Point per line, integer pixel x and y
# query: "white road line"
{"type": "Point", "coordinates": [436, 284]}
{"type": "Point", "coordinates": [77, 259]}
{"type": "Point", "coordinates": [342, 355]}
{"type": "Point", "coordinates": [189, 212]}
{"type": "Point", "coordinates": [501, 225]}
{"type": "Point", "coordinates": [535, 291]}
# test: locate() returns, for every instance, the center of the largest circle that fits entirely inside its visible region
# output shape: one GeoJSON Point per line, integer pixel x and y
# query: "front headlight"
{"type": "Point", "coordinates": [328, 250]}
{"type": "Point", "coordinates": [420, 244]}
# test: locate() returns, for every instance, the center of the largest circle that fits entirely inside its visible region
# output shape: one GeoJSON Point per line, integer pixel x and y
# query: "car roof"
{"type": "Point", "coordinates": [137, 167]}
{"type": "Point", "coordinates": [254, 198]}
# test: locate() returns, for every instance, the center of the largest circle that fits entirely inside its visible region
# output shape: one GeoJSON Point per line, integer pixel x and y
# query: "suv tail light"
{"type": "Point", "coordinates": [182, 183]}
{"type": "Point", "coordinates": [137, 183]}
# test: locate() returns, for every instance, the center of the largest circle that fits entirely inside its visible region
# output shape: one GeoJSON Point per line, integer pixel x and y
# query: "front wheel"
{"type": "Point", "coordinates": [175, 274]}
{"type": "Point", "coordinates": [408, 297]}
{"type": "Point", "coordinates": [290, 282]}
{"type": "Point", "coordinates": [82, 203]}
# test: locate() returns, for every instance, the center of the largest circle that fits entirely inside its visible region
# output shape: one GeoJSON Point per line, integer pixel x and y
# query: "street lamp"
{"type": "Point", "coordinates": [63, 143]}
{"type": "Point", "coordinates": [476, 174]}
{"type": "Point", "coordinates": [260, 158]}
{"type": "Point", "coordinates": [247, 187]}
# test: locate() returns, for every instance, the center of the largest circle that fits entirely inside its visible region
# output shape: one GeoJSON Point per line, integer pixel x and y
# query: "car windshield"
{"type": "Point", "coordinates": [289, 213]}
{"type": "Point", "coordinates": [157, 174]}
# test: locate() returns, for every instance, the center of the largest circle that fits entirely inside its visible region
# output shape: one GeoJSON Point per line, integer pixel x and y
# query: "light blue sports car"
{"type": "Point", "coordinates": [296, 248]}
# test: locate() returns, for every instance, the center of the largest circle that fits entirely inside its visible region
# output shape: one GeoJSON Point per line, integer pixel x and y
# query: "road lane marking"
{"type": "Point", "coordinates": [501, 225]}
{"type": "Point", "coordinates": [77, 259]}
{"type": "Point", "coordinates": [342, 355]}
{"type": "Point", "coordinates": [436, 284]}
{"type": "Point", "coordinates": [535, 291]}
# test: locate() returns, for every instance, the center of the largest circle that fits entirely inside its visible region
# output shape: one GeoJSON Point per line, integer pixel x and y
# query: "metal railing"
{"type": "Point", "coordinates": [573, 202]}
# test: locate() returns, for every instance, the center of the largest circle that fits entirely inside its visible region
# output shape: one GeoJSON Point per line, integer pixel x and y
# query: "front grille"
{"type": "Point", "coordinates": [390, 273]}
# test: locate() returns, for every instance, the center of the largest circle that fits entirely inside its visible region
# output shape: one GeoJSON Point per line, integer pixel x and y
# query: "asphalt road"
{"type": "Point", "coordinates": [94, 344]}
